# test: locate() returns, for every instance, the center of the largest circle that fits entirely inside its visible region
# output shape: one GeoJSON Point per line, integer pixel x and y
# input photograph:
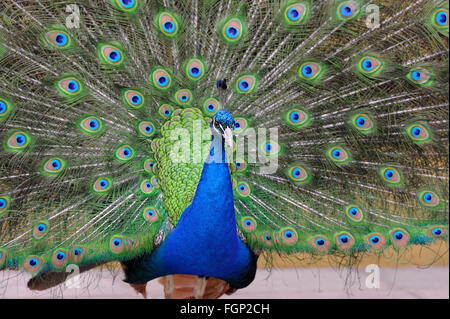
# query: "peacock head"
{"type": "Point", "coordinates": [223, 124]}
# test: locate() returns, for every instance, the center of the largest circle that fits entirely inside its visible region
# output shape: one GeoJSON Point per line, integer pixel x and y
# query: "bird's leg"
{"type": "Point", "coordinates": [199, 287]}
{"type": "Point", "coordinates": [169, 286]}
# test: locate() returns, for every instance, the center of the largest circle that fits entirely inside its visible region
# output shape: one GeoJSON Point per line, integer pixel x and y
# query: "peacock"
{"type": "Point", "coordinates": [184, 139]}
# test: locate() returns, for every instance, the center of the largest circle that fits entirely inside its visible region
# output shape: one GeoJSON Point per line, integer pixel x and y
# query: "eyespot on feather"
{"type": "Point", "coordinates": [267, 239]}
{"type": "Point", "coordinates": [146, 128]}
{"type": "Point", "coordinates": [288, 236]}
{"type": "Point", "coordinates": [33, 264]}
{"type": "Point", "coordinates": [110, 54]}
{"type": "Point", "coordinates": [248, 224]}
{"type": "Point", "coordinates": [338, 155]}
{"type": "Point", "coordinates": [117, 244]}
{"type": "Point", "coordinates": [348, 10]}
{"type": "Point", "coordinates": [399, 237]}
{"type": "Point", "coordinates": [239, 166]}
{"type": "Point", "coordinates": [126, 6]}
{"type": "Point", "coordinates": [133, 98]}
{"type": "Point", "coordinates": [124, 153]}
{"type": "Point", "coordinates": [195, 69]}
{"type": "Point", "coordinates": [17, 141]}
{"type": "Point", "coordinates": [391, 176]}
{"type": "Point", "coordinates": [297, 117]}
{"type": "Point", "coordinates": [211, 106]}
{"type": "Point", "coordinates": [165, 111]}
{"type": "Point", "coordinates": [149, 165]}
{"type": "Point", "coordinates": [60, 258]}
{"type": "Point", "coordinates": [146, 187]}
{"type": "Point", "coordinates": [271, 148]}
{"type": "Point", "coordinates": [296, 13]}
{"type": "Point", "coordinates": [354, 212]}
{"type": "Point", "coordinates": [370, 65]}
{"type": "Point", "coordinates": [376, 241]}
{"type": "Point", "coordinates": [91, 125]}
{"type": "Point", "coordinates": [419, 133]}
{"type": "Point", "coordinates": [243, 189]}
{"type": "Point", "coordinates": [246, 84]}
{"type": "Point", "coordinates": [77, 254]}
{"type": "Point", "coordinates": [5, 202]}
{"type": "Point", "coordinates": [6, 109]}
{"type": "Point", "coordinates": [428, 198]}
{"type": "Point", "coordinates": [167, 23]}
{"type": "Point", "coordinates": [40, 229]}
{"type": "Point", "coordinates": [3, 257]}
{"type": "Point", "coordinates": [438, 232]}
{"type": "Point", "coordinates": [320, 243]}
{"type": "Point", "coordinates": [363, 123]}
{"type": "Point", "coordinates": [310, 71]}
{"type": "Point", "coordinates": [58, 39]}
{"type": "Point", "coordinates": [420, 76]}
{"type": "Point", "coordinates": [233, 29]}
{"type": "Point", "coordinates": [183, 97]}
{"type": "Point", "coordinates": [53, 166]}
{"type": "Point", "coordinates": [240, 125]}
{"type": "Point", "coordinates": [344, 240]}
{"type": "Point", "coordinates": [69, 86]}
{"type": "Point", "coordinates": [161, 79]}
{"type": "Point", "coordinates": [102, 185]}
{"type": "Point", "coordinates": [151, 214]}
{"type": "Point", "coordinates": [298, 174]}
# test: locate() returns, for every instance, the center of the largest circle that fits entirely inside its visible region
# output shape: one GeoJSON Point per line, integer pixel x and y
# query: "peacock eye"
{"type": "Point", "coordinates": [91, 125]}
{"type": "Point", "coordinates": [437, 231]}
{"type": "Point", "coordinates": [69, 86]}
{"type": "Point", "coordinates": [232, 30]}
{"type": "Point", "coordinates": [243, 189]}
{"type": "Point", "coordinates": [150, 214]}
{"type": "Point", "coordinates": [344, 239]}
{"type": "Point", "coordinates": [420, 76]}
{"type": "Point", "coordinates": [320, 241]}
{"type": "Point", "coordinates": [246, 84]}
{"type": "Point", "coordinates": [348, 10]}
{"type": "Point", "coordinates": [354, 213]}
{"type": "Point", "coordinates": [146, 128]}
{"type": "Point", "coordinates": [375, 239]}
{"type": "Point", "coordinates": [77, 251]}
{"type": "Point", "coordinates": [110, 54]}
{"type": "Point", "coordinates": [161, 79]}
{"type": "Point", "coordinates": [18, 141]}
{"type": "Point", "coordinates": [33, 262]}
{"type": "Point", "coordinates": [53, 166]}
{"type": "Point", "coordinates": [271, 148]}
{"type": "Point", "coordinates": [147, 187]}
{"type": "Point", "coordinates": [338, 155]}
{"type": "Point", "coordinates": [165, 110]}
{"type": "Point", "coordinates": [310, 71]}
{"type": "Point", "coordinates": [183, 96]}
{"type": "Point", "coordinates": [429, 198]}
{"type": "Point", "coordinates": [102, 185]}
{"type": "Point", "coordinates": [40, 229]}
{"type": "Point", "coordinates": [295, 13]}
{"type": "Point", "coordinates": [167, 23]}
{"type": "Point", "coordinates": [195, 69]}
{"type": "Point", "coordinates": [248, 223]}
{"type": "Point", "coordinates": [297, 118]}
{"type": "Point", "coordinates": [391, 176]}
{"type": "Point", "coordinates": [5, 109]}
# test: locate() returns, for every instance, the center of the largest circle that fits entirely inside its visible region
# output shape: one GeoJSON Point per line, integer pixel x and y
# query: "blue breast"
{"type": "Point", "coordinates": [205, 241]}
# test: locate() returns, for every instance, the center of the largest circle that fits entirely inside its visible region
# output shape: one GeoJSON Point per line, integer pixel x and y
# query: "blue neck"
{"type": "Point", "coordinates": [205, 240]}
